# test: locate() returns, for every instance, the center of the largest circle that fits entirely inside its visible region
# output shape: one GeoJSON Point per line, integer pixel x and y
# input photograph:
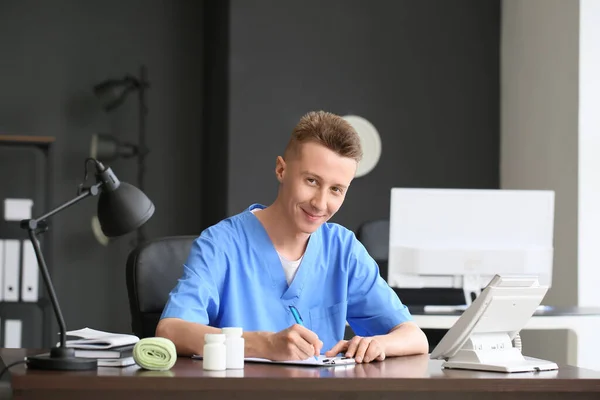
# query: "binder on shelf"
{"type": "Point", "coordinates": [17, 209]}
{"type": "Point", "coordinates": [1, 270]}
{"type": "Point", "coordinates": [12, 258]}
{"type": "Point", "coordinates": [13, 329]}
{"type": "Point", "coordinates": [31, 318]}
{"type": "Point", "coordinates": [30, 276]}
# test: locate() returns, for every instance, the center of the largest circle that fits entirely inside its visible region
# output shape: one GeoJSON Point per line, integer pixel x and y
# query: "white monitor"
{"type": "Point", "coordinates": [482, 338]}
{"type": "Point", "coordinates": [461, 238]}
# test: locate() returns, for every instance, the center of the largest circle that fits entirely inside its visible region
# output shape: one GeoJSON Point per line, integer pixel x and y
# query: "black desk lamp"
{"type": "Point", "coordinates": [122, 208]}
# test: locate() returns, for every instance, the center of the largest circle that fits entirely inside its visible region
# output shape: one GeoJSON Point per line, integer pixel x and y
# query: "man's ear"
{"type": "Point", "coordinates": [280, 168]}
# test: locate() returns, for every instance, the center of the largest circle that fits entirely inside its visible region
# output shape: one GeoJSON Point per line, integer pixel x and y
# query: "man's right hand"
{"type": "Point", "coordinates": [294, 343]}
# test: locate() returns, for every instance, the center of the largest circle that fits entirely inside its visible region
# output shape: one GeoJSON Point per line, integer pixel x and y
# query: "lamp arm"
{"type": "Point", "coordinates": [36, 225]}
{"type": "Point", "coordinates": [48, 282]}
{"type": "Point", "coordinates": [92, 191]}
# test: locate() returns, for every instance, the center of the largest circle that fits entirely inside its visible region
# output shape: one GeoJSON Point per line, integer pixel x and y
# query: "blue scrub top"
{"type": "Point", "coordinates": [234, 277]}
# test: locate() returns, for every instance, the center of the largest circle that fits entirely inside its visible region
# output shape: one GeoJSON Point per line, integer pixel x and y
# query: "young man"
{"type": "Point", "coordinates": [256, 269]}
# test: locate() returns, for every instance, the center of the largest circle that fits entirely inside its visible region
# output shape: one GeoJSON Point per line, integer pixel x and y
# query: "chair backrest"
{"type": "Point", "coordinates": [375, 236]}
{"type": "Point", "coordinates": [152, 271]}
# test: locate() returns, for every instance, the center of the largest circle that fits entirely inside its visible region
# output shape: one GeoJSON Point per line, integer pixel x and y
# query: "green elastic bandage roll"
{"type": "Point", "coordinates": [155, 354]}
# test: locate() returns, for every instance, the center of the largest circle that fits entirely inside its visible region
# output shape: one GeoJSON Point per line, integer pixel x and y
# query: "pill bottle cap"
{"type": "Point", "coordinates": [232, 331]}
{"type": "Point", "coordinates": [214, 338]}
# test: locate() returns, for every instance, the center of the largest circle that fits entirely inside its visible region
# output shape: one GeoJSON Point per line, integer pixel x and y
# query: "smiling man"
{"type": "Point", "coordinates": [257, 268]}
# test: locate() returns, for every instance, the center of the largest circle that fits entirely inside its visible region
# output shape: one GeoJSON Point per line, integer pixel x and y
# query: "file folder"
{"type": "Point", "coordinates": [30, 276]}
{"type": "Point", "coordinates": [17, 209]}
{"type": "Point", "coordinates": [12, 333]}
{"type": "Point", "coordinates": [1, 270]}
{"type": "Point", "coordinates": [12, 258]}
{"type": "Point", "coordinates": [31, 317]}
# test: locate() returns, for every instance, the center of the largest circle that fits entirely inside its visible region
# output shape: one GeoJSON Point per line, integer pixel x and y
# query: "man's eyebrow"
{"type": "Point", "coordinates": [321, 179]}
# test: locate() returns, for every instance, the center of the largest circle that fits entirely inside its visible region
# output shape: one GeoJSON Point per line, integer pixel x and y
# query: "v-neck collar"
{"type": "Point", "coordinates": [272, 262]}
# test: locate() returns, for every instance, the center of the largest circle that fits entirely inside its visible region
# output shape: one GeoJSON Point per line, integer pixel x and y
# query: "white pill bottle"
{"type": "Point", "coordinates": [234, 343]}
{"type": "Point", "coordinates": [214, 357]}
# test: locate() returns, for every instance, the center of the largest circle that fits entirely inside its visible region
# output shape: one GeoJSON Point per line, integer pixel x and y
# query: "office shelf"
{"type": "Point", "coordinates": [25, 173]}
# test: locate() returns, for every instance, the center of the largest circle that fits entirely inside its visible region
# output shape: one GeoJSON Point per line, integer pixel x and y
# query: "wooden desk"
{"type": "Point", "coordinates": [406, 377]}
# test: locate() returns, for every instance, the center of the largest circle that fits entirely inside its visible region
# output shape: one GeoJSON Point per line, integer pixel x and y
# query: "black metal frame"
{"type": "Point", "coordinates": [141, 84]}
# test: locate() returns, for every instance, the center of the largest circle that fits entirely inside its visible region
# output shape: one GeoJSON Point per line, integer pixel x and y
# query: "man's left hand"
{"type": "Point", "coordinates": [362, 349]}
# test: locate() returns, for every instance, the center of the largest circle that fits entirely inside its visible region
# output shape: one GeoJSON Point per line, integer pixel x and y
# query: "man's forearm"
{"type": "Point", "coordinates": [188, 338]}
{"type": "Point", "coordinates": [256, 344]}
{"type": "Point", "coordinates": [404, 340]}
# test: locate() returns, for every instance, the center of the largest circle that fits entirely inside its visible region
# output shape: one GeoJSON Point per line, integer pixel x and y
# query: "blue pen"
{"type": "Point", "coordinates": [298, 319]}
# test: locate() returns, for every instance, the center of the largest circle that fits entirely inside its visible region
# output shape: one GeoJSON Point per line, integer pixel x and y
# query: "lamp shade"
{"type": "Point", "coordinates": [112, 93]}
{"type": "Point", "coordinates": [123, 210]}
{"type": "Point", "coordinates": [107, 148]}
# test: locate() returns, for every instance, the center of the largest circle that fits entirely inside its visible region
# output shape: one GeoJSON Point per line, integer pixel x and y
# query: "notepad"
{"type": "Point", "coordinates": [321, 361]}
{"type": "Point", "coordinates": [116, 362]}
{"type": "Point", "coordinates": [94, 339]}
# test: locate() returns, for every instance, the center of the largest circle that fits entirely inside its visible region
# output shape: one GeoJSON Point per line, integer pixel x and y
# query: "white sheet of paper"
{"type": "Point", "coordinates": [322, 361]}
{"type": "Point", "coordinates": [95, 339]}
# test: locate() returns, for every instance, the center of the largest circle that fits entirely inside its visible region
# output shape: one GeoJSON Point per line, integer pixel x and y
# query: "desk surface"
{"type": "Point", "coordinates": [417, 375]}
{"type": "Point", "coordinates": [548, 311]}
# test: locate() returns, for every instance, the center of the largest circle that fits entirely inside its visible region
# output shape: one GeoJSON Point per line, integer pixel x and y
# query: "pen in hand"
{"type": "Point", "coordinates": [298, 319]}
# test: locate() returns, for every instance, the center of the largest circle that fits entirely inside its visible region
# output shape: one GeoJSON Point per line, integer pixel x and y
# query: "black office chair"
{"type": "Point", "coordinates": [153, 269]}
{"type": "Point", "coordinates": [375, 236]}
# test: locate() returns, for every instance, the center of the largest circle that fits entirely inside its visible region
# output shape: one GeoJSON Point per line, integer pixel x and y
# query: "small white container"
{"type": "Point", "coordinates": [235, 347]}
{"type": "Point", "coordinates": [214, 357]}
{"type": "Point", "coordinates": [17, 209]}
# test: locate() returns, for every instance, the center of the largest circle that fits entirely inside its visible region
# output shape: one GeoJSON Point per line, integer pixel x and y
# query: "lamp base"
{"type": "Point", "coordinates": [61, 359]}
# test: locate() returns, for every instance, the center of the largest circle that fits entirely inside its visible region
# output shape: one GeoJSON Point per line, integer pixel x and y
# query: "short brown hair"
{"type": "Point", "coordinates": [329, 130]}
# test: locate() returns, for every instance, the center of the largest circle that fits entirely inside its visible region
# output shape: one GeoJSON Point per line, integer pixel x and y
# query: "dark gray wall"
{"type": "Point", "coordinates": [52, 53]}
{"type": "Point", "coordinates": [425, 73]}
